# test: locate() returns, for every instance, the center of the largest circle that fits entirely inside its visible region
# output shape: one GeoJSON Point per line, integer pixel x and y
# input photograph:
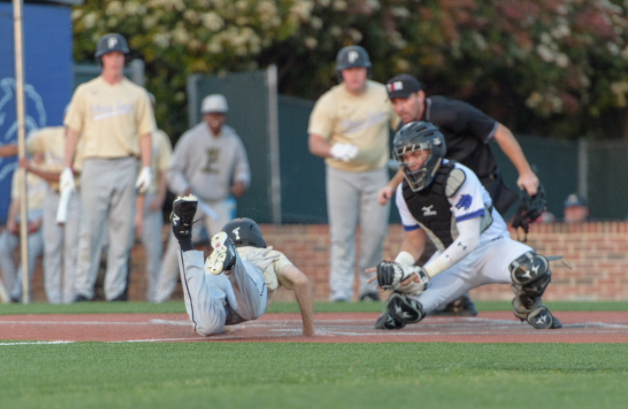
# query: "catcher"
{"type": "Point", "coordinates": [446, 202]}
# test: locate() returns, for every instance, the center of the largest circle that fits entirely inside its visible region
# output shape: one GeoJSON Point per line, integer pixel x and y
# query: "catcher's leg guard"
{"type": "Point", "coordinates": [404, 309]}
{"type": "Point", "coordinates": [530, 274]}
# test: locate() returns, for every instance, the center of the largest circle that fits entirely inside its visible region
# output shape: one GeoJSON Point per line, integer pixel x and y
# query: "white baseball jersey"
{"type": "Point", "coordinates": [470, 201]}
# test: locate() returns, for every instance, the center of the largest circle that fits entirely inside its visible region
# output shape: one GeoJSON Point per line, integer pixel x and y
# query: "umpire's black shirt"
{"type": "Point", "coordinates": [467, 132]}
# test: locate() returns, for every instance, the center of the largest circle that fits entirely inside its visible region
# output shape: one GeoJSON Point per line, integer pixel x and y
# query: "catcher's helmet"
{"type": "Point", "coordinates": [109, 43]}
{"type": "Point", "coordinates": [244, 232]}
{"type": "Point", "coordinates": [352, 56]}
{"type": "Point", "coordinates": [419, 136]}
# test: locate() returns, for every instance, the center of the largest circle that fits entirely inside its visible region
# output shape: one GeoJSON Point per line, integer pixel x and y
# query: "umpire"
{"type": "Point", "coordinates": [467, 132]}
{"type": "Point", "coordinates": [114, 119]}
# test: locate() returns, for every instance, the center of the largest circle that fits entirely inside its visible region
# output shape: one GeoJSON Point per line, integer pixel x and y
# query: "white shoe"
{"type": "Point", "coordinates": [223, 257]}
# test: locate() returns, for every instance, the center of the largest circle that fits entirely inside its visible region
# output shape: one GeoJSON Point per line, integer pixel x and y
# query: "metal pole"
{"type": "Point", "coordinates": [273, 140]}
{"type": "Point", "coordinates": [137, 71]}
{"type": "Point", "coordinates": [19, 109]}
{"type": "Point", "coordinates": [583, 168]}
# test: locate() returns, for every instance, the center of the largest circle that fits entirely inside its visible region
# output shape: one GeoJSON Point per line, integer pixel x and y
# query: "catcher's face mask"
{"type": "Point", "coordinates": [418, 164]}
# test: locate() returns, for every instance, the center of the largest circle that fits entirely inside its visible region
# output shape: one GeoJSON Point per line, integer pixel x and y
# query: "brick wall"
{"type": "Point", "coordinates": [596, 251]}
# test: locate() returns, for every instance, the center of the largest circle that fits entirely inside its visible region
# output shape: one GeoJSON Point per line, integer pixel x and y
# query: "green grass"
{"type": "Point", "coordinates": [245, 375]}
{"type": "Point", "coordinates": [319, 306]}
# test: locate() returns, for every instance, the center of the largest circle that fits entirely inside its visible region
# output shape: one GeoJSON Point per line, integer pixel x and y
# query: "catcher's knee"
{"type": "Point", "coordinates": [405, 309]}
{"type": "Point", "coordinates": [530, 275]}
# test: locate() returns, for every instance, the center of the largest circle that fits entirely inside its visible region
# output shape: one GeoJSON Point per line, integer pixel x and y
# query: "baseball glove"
{"type": "Point", "coordinates": [530, 208]}
{"type": "Point", "coordinates": [391, 274]}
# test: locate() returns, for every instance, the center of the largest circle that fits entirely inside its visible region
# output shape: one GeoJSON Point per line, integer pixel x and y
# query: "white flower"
{"type": "Point", "coordinates": [546, 38]}
{"type": "Point", "coordinates": [191, 16]}
{"type": "Point", "coordinates": [112, 22]}
{"type": "Point", "coordinates": [301, 10]}
{"type": "Point", "coordinates": [562, 60]}
{"type": "Point", "coordinates": [340, 5]}
{"type": "Point", "coordinates": [203, 3]}
{"type": "Point", "coordinates": [624, 53]}
{"type": "Point", "coordinates": [76, 14]}
{"type": "Point", "coordinates": [557, 103]}
{"type": "Point", "coordinates": [403, 65]}
{"type": "Point", "coordinates": [212, 21]}
{"type": "Point", "coordinates": [534, 100]}
{"type": "Point", "coordinates": [561, 31]}
{"type": "Point", "coordinates": [584, 81]}
{"type": "Point", "coordinates": [545, 53]}
{"type": "Point", "coordinates": [90, 19]}
{"type": "Point", "coordinates": [161, 39]}
{"type": "Point", "coordinates": [480, 42]}
{"type": "Point", "coordinates": [355, 35]}
{"type": "Point", "coordinates": [325, 3]}
{"type": "Point", "coordinates": [214, 46]}
{"type": "Point", "coordinates": [311, 43]}
{"type": "Point", "coordinates": [400, 12]}
{"type": "Point", "coordinates": [316, 22]}
{"type": "Point", "coordinates": [113, 8]}
{"type": "Point", "coordinates": [335, 31]}
{"type": "Point", "coordinates": [133, 8]}
{"type": "Point", "coordinates": [242, 5]}
{"type": "Point", "coordinates": [370, 6]}
{"type": "Point", "coordinates": [180, 35]}
{"type": "Point", "coordinates": [612, 48]}
{"type": "Point", "coordinates": [150, 22]}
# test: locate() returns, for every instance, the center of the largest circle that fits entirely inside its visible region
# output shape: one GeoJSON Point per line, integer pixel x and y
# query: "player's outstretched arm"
{"type": "Point", "coordinates": [303, 293]}
{"type": "Point", "coordinates": [386, 193]}
{"type": "Point", "coordinates": [508, 143]}
{"type": "Point", "coordinates": [7, 150]}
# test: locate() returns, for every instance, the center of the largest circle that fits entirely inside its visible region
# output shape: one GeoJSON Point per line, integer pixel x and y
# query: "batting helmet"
{"type": "Point", "coordinates": [244, 232]}
{"type": "Point", "coordinates": [109, 43]}
{"type": "Point", "coordinates": [419, 136]}
{"type": "Point", "coordinates": [352, 56]}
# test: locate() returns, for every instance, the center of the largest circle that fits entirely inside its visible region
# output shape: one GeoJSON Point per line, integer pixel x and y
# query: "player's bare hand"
{"type": "Point", "coordinates": [25, 164]}
{"type": "Point", "coordinates": [237, 189]}
{"type": "Point", "coordinates": [13, 227]}
{"type": "Point", "coordinates": [155, 204]}
{"type": "Point", "coordinates": [384, 195]}
{"type": "Point", "coordinates": [528, 182]}
{"type": "Point", "coordinates": [34, 226]}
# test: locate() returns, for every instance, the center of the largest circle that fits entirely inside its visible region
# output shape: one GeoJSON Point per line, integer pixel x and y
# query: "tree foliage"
{"type": "Point", "coordinates": [555, 67]}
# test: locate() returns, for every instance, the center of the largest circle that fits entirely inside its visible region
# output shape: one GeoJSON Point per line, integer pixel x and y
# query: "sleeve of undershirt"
{"type": "Point", "coordinates": [408, 221]}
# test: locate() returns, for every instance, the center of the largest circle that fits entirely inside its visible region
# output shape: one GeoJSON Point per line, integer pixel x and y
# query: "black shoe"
{"type": "Point", "coordinates": [223, 257]}
{"type": "Point", "coordinates": [369, 297]}
{"type": "Point", "coordinates": [461, 307]}
{"type": "Point", "coordinates": [121, 297]}
{"type": "Point", "coordinates": [81, 298]}
{"type": "Point", "coordinates": [542, 318]}
{"type": "Point", "coordinates": [183, 211]}
{"type": "Point", "coordinates": [386, 321]}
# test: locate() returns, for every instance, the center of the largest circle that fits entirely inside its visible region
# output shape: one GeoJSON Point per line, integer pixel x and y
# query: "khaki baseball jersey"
{"type": "Point", "coordinates": [160, 158]}
{"type": "Point", "coordinates": [363, 120]}
{"type": "Point", "coordinates": [273, 275]}
{"type": "Point", "coordinates": [110, 118]}
{"type": "Point", "coordinates": [35, 188]}
{"type": "Point", "coordinates": [50, 142]}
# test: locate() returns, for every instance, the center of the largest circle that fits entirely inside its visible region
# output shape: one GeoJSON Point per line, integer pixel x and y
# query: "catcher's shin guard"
{"type": "Point", "coordinates": [531, 275]}
{"type": "Point", "coordinates": [404, 309]}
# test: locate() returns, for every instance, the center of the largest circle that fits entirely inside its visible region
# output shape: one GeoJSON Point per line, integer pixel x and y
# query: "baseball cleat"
{"type": "Point", "coordinates": [386, 321]}
{"type": "Point", "coordinates": [223, 257]}
{"type": "Point", "coordinates": [404, 309]}
{"type": "Point", "coordinates": [183, 211]}
{"type": "Point", "coordinates": [542, 318]}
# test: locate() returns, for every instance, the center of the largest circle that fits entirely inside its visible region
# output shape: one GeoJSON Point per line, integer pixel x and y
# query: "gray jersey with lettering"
{"type": "Point", "coordinates": [206, 164]}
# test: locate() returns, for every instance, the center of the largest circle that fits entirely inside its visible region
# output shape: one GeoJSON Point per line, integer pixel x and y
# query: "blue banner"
{"type": "Point", "coordinates": [47, 77]}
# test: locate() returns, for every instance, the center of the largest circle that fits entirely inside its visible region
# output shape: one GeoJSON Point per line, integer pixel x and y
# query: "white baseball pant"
{"type": "Point", "coordinates": [487, 264]}
{"type": "Point", "coordinates": [153, 247]}
{"type": "Point", "coordinates": [215, 301]}
{"type": "Point", "coordinates": [352, 199]}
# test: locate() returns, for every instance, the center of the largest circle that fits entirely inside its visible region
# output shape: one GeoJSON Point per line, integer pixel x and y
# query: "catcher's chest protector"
{"type": "Point", "coordinates": [431, 208]}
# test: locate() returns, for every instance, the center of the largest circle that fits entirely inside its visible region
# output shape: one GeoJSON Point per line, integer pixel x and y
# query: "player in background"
{"type": "Point", "coordinates": [467, 132]}
{"type": "Point", "coordinates": [210, 162]}
{"type": "Point", "coordinates": [149, 216]}
{"type": "Point", "coordinates": [113, 118]}
{"type": "Point", "coordinates": [10, 237]}
{"type": "Point", "coordinates": [349, 128]}
{"type": "Point", "coordinates": [446, 202]}
{"type": "Point", "coordinates": [238, 280]}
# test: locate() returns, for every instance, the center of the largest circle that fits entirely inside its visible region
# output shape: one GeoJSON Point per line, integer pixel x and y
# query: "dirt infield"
{"type": "Point", "coordinates": [489, 327]}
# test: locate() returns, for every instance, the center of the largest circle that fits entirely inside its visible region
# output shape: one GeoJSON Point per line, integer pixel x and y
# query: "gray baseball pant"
{"type": "Point", "coordinates": [108, 203]}
{"type": "Point", "coordinates": [170, 266]}
{"type": "Point", "coordinates": [352, 200]}
{"type": "Point", "coordinates": [151, 240]}
{"type": "Point", "coordinates": [215, 301]}
{"type": "Point", "coordinates": [57, 238]}
{"type": "Point", "coordinates": [12, 276]}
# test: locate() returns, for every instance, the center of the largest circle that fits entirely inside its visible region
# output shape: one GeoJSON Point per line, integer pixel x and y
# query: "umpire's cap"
{"type": "Point", "coordinates": [111, 42]}
{"type": "Point", "coordinates": [352, 56]}
{"type": "Point", "coordinates": [402, 86]}
{"type": "Point", "coordinates": [244, 232]}
{"type": "Point", "coordinates": [214, 103]}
